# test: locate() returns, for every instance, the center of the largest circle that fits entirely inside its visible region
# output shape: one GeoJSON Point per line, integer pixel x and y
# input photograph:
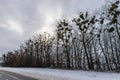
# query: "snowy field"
{"type": "Point", "coordinates": [57, 74]}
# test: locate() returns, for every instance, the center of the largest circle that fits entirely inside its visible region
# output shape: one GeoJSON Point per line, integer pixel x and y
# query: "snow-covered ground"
{"type": "Point", "coordinates": [57, 74]}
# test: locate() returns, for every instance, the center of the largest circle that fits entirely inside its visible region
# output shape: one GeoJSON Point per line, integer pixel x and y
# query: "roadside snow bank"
{"type": "Point", "coordinates": [57, 74]}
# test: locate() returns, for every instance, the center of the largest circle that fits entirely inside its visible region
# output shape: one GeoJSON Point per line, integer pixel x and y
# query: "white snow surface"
{"type": "Point", "coordinates": [58, 74]}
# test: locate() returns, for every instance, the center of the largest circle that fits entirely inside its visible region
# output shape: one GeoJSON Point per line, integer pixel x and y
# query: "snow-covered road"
{"type": "Point", "coordinates": [57, 74]}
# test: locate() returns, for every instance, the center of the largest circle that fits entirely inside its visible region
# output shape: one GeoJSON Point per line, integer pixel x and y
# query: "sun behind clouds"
{"type": "Point", "coordinates": [48, 30]}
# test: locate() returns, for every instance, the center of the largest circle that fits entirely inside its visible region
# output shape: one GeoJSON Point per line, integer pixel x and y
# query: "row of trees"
{"type": "Point", "coordinates": [89, 42]}
{"type": "Point", "coordinates": [34, 53]}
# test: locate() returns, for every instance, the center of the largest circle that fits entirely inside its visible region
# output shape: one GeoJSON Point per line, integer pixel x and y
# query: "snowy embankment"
{"type": "Point", "coordinates": [57, 74]}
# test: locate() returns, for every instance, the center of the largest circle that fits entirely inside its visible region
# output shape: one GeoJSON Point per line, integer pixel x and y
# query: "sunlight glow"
{"type": "Point", "coordinates": [47, 29]}
{"type": "Point", "coordinates": [48, 24]}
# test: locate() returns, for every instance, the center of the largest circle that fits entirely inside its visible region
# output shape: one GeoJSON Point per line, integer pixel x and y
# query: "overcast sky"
{"type": "Point", "coordinates": [20, 19]}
